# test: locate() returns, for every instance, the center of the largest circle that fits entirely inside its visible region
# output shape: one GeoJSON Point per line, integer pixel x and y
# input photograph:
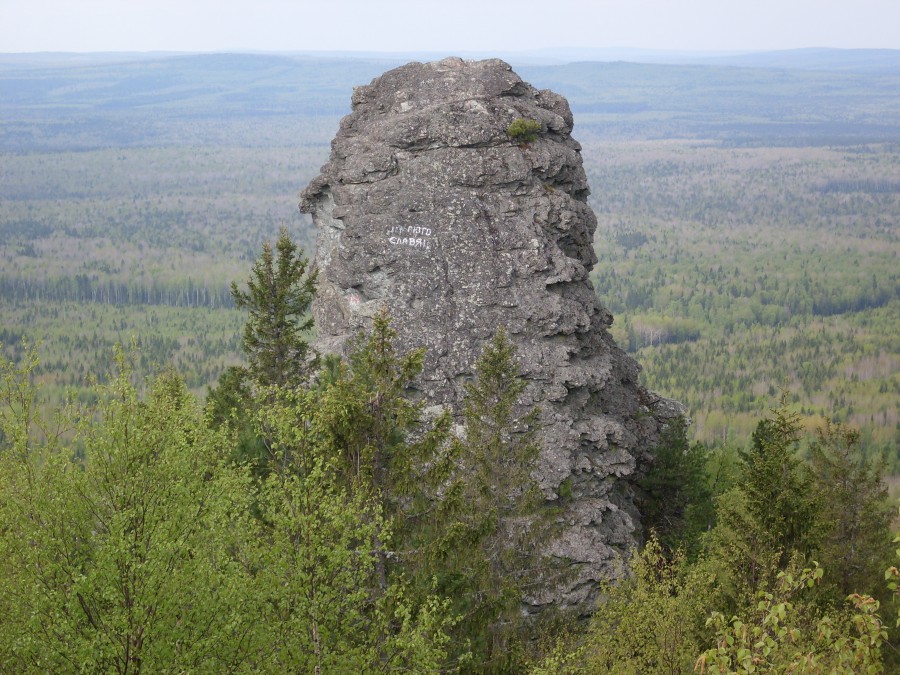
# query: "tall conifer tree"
{"type": "Point", "coordinates": [778, 491]}
{"type": "Point", "coordinates": [488, 553]}
{"type": "Point", "coordinates": [279, 292]}
{"type": "Point", "coordinates": [854, 513]}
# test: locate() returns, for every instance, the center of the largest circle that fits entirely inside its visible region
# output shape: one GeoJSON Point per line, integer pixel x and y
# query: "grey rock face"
{"type": "Point", "coordinates": [428, 207]}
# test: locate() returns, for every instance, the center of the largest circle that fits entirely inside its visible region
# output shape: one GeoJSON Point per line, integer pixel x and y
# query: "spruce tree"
{"type": "Point", "coordinates": [279, 292]}
{"type": "Point", "coordinates": [488, 552]}
{"type": "Point", "coordinates": [379, 435]}
{"type": "Point", "coordinates": [778, 491]}
{"type": "Point", "coordinates": [676, 501]}
{"type": "Point", "coordinates": [769, 518]}
{"type": "Point", "coordinates": [380, 442]}
{"type": "Point", "coordinates": [278, 296]}
{"type": "Point", "coordinates": [854, 516]}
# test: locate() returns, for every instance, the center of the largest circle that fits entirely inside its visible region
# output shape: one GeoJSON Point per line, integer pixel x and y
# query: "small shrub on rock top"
{"type": "Point", "coordinates": [523, 131]}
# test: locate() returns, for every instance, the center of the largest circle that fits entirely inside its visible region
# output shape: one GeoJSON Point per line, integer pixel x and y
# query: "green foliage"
{"type": "Point", "coordinates": [892, 577]}
{"type": "Point", "coordinates": [650, 622]}
{"type": "Point", "coordinates": [741, 549]}
{"type": "Point", "coordinates": [853, 512]}
{"type": "Point", "coordinates": [356, 442]}
{"type": "Point", "coordinates": [321, 557]}
{"type": "Point", "coordinates": [230, 405]}
{"type": "Point", "coordinates": [778, 513]}
{"type": "Point", "coordinates": [121, 562]}
{"type": "Point", "coordinates": [278, 296]}
{"type": "Point", "coordinates": [523, 130]}
{"type": "Point", "coordinates": [379, 436]}
{"type": "Point", "coordinates": [831, 508]}
{"type": "Point", "coordinates": [150, 551]}
{"type": "Point", "coordinates": [463, 513]}
{"type": "Point", "coordinates": [20, 416]}
{"type": "Point", "coordinates": [769, 518]}
{"type": "Point", "coordinates": [230, 397]}
{"type": "Point", "coordinates": [778, 492]}
{"type": "Point", "coordinates": [676, 501]}
{"type": "Point", "coordinates": [129, 540]}
{"type": "Point", "coordinates": [486, 552]}
{"type": "Point", "coordinates": [782, 634]}
{"type": "Point", "coordinates": [775, 514]}
{"type": "Point", "coordinates": [379, 449]}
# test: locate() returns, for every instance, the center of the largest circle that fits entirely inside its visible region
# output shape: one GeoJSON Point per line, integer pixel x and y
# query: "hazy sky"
{"type": "Point", "coordinates": [444, 25]}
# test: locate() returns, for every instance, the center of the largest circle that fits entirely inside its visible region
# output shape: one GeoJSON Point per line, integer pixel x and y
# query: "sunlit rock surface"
{"type": "Point", "coordinates": [428, 207]}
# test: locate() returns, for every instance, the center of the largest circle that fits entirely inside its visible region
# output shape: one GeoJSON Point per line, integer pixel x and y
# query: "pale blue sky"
{"type": "Point", "coordinates": [446, 26]}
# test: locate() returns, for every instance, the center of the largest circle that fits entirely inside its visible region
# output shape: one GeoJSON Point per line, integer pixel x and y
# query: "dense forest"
{"type": "Point", "coordinates": [748, 248]}
{"type": "Point", "coordinates": [734, 273]}
{"type": "Point", "coordinates": [747, 216]}
{"type": "Point", "coordinates": [312, 518]}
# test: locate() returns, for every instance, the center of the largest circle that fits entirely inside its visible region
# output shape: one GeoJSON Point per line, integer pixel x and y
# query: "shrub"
{"type": "Point", "coordinates": [523, 131]}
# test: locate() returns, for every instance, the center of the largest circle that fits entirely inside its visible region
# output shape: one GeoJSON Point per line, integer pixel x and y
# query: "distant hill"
{"type": "Point", "coordinates": [859, 60]}
{"type": "Point", "coordinates": [803, 59]}
{"type": "Point", "coordinates": [223, 83]}
{"type": "Point", "coordinates": [83, 101]}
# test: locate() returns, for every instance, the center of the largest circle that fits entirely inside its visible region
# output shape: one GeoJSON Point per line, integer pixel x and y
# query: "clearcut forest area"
{"type": "Point", "coordinates": [748, 217]}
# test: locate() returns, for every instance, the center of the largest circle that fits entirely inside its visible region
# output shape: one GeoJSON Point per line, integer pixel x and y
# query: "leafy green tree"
{"type": "Point", "coordinates": [21, 424]}
{"type": "Point", "coordinates": [784, 633]}
{"type": "Point", "coordinates": [154, 552]}
{"type": "Point", "coordinates": [651, 622]}
{"type": "Point", "coordinates": [378, 447]}
{"type": "Point", "coordinates": [892, 577]}
{"type": "Point", "coordinates": [120, 562]}
{"type": "Point", "coordinates": [279, 292]}
{"type": "Point", "coordinates": [325, 609]}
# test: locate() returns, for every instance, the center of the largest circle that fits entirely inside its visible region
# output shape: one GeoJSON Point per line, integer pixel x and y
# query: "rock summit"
{"type": "Point", "coordinates": [429, 206]}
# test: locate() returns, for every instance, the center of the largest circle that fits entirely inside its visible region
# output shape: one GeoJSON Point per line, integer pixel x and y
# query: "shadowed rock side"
{"type": "Point", "coordinates": [428, 207]}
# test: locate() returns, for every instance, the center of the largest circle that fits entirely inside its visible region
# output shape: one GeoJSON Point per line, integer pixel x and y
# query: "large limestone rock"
{"type": "Point", "coordinates": [428, 207]}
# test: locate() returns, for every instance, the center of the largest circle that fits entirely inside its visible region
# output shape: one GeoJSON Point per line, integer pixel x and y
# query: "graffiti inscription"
{"type": "Point", "coordinates": [413, 236]}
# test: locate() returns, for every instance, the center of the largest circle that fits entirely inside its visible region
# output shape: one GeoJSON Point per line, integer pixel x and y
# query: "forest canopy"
{"type": "Point", "coordinates": [178, 512]}
{"type": "Point", "coordinates": [327, 524]}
